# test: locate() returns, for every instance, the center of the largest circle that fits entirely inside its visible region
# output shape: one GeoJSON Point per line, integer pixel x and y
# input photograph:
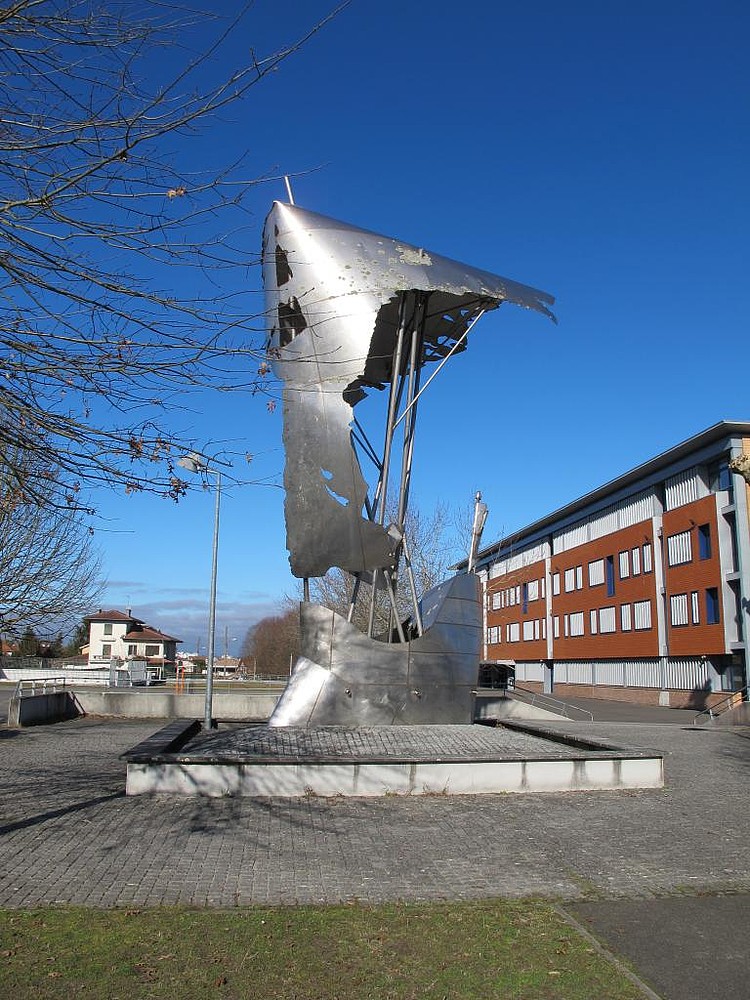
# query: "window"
{"type": "Point", "coordinates": [642, 615]}
{"type": "Point", "coordinates": [132, 649]}
{"type": "Point", "coordinates": [678, 609]}
{"type": "Point", "coordinates": [513, 632]}
{"type": "Point", "coordinates": [525, 593]}
{"type": "Point", "coordinates": [720, 478]}
{"type": "Point", "coordinates": [579, 577]}
{"type": "Point", "coordinates": [625, 618]}
{"type": "Point", "coordinates": [576, 623]}
{"type": "Point", "coordinates": [704, 541]}
{"type": "Point", "coordinates": [635, 556]}
{"type": "Point", "coordinates": [570, 579]}
{"type": "Point", "coordinates": [107, 649]}
{"type": "Point", "coordinates": [593, 622]}
{"type": "Point", "coordinates": [555, 584]}
{"type": "Point", "coordinates": [533, 590]}
{"type": "Point", "coordinates": [624, 565]}
{"type": "Point", "coordinates": [712, 606]}
{"type": "Point", "coordinates": [566, 625]}
{"type": "Point", "coordinates": [679, 549]}
{"type": "Point", "coordinates": [556, 627]}
{"type": "Point", "coordinates": [607, 620]}
{"type": "Point", "coordinates": [493, 636]}
{"type": "Point", "coordinates": [542, 584]}
{"type": "Point", "coordinates": [496, 600]}
{"type": "Point", "coordinates": [152, 650]}
{"type": "Point", "coordinates": [596, 573]}
{"type": "Point", "coordinates": [696, 607]}
{"type": "Point", "coordinates": [528, 630]}
{"type": "Point", "coordinates": [108, 628]}
{"type": "Point", "coordinates": [610, 576]}
{"type": "Point", "coordinates": [647, 560]}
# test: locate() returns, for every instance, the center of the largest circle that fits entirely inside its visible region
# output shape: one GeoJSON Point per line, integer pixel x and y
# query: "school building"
{"type": "Point", "coordinates": [639, 591]}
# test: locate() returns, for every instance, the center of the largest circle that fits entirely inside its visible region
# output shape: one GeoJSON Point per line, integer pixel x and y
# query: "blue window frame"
{"type": "Point", "coordinates": [525, 597]}
{"type": "Point", "coordinates": [704, 541]}
{"type": "Point", "coordinates": [610, 567]}
{"type": "Point", "coordinates": [712, 606]}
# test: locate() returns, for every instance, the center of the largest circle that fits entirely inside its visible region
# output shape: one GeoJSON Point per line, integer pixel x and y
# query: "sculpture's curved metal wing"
{"type": "Point", "coordinates": [336, 297]}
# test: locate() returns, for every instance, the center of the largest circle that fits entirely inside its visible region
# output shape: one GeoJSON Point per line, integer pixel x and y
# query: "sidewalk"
{"type": "Point", "coordinates": [641, 868]}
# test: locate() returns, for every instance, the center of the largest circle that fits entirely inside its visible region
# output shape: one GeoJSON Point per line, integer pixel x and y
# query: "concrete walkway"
{"type": "Point", "coordinates": [620, 862]}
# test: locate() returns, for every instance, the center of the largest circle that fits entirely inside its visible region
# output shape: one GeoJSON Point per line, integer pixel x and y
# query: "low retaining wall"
{"type": "Point", "coordinates": [53, 706]}
{"type": "Point", "coordinates": [139, 703]}
{"type": "Point", "coordinates": [671, 698]}
{"type": "Point", "coordinates": [161, 703]}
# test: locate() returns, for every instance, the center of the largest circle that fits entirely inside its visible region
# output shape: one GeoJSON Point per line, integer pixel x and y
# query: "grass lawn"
{"type": "Point", "coordinates": [495, 949]}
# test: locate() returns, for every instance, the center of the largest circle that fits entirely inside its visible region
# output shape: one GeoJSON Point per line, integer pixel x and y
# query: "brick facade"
{"type": "Point", "coordinates": [644, 579]}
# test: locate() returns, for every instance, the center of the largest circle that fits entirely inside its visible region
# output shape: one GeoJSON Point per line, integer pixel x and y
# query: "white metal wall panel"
{"type": "Point", "coordinates": [625, 564]}
{"type": "Point", "coordinates": [529, 672]}
{"type": "Point", "coordinates": [678, 606]}
{"type": "Point", "coordinates": [603, 524]}
{"type": "Point", "coordinates": [607, 620]}
{"type": "Point", "coordinates": [635, 509]}
{"type": "Point", "coordinates": [685, 488]}
{"type": "Point", "coordinates": [630, 511]}
{"type": "Point", "coordinates": [648, 560]}
{"type": "Point", "coordinates": [687, 675]}
{"type": "Point", "coordinates": [642, 615]}
{"type": "Point", "coordinates": [636, 554]}
{"type": "Point", "coordinates": [695, 603]}
{"type": "Point", "coordinates": [578, 534]}
{"type": "Point", "coordinates": [610, 672]}
{"type": "Point", "coordinates": [580, 673]}
{"type": "Point", "coordinates": [679, 548]}
{"type": "Point", "coordinates": [642, 673]}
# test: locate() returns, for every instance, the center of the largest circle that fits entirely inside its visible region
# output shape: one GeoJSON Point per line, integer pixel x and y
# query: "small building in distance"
{"type": "Point", "coordinates": [639, 591]}
{"type": "Point", "coordinates": [119, 635]}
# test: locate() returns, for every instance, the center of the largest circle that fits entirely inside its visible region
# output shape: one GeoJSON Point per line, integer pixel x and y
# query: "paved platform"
{"type": "Point", "coordinates": [383, 760]}
{"type": "Point", "coordinates": [673, 862]}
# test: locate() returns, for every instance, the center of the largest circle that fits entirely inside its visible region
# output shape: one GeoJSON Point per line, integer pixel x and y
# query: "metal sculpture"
{"type": "Point", "coordinates": [352, 312]}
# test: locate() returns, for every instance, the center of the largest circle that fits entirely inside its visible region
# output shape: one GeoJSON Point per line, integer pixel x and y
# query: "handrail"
{"type": "Point", "coordinates": [563, 708]}
{"type": "Point", "coordinates": [732, 700]}
{"type": "Point", "coordinates": [33, 682]}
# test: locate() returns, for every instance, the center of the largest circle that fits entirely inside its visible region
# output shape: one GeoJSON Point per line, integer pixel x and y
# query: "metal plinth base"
{"type": "Point", "coordinates": [346, 678]}
{"type": "Point", "coordinates": [404, 760]}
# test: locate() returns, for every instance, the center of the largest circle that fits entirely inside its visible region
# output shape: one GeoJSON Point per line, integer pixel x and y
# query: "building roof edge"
{"type": "Point", "coordinates": [722, 429]}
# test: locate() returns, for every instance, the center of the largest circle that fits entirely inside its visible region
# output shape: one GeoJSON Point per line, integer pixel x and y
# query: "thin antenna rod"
{"type": "Point", "coordinates": [289, 189]}
{"type": "Point", "coordinates": [452, 351]}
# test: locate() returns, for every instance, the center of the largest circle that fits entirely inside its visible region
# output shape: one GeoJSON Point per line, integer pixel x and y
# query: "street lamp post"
{"type": "Point", "coordinates": [196, 463]}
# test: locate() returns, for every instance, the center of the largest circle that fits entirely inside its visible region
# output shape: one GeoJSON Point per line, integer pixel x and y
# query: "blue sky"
{"type": "Point", "coordinates": [599, 153]}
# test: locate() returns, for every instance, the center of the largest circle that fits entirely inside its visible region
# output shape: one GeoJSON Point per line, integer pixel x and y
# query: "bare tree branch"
{"type": "Point", "coordinates": [118, 260]}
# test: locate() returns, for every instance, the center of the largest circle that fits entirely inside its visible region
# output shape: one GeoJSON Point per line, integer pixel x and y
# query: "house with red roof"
{"type": "Point", "coordinates": [120, 635]}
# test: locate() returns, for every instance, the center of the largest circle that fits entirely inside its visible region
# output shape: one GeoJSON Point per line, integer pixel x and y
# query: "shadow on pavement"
{"type": "Point", "coordinates": [22, 824]}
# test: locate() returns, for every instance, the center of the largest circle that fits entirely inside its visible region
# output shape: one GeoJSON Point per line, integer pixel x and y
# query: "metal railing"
{"type": "Point", "coordinates": [39, 685]}
{"type": "Point", "coordinates": [552, 704]}
{"type": "Point", "coordinates": [732, 700]}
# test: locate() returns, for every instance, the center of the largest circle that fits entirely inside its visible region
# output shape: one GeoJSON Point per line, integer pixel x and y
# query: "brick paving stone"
{"type": "Point", "coordinates": [68, 833]}
{"type": "Point", "coordinates": [374, 743]}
